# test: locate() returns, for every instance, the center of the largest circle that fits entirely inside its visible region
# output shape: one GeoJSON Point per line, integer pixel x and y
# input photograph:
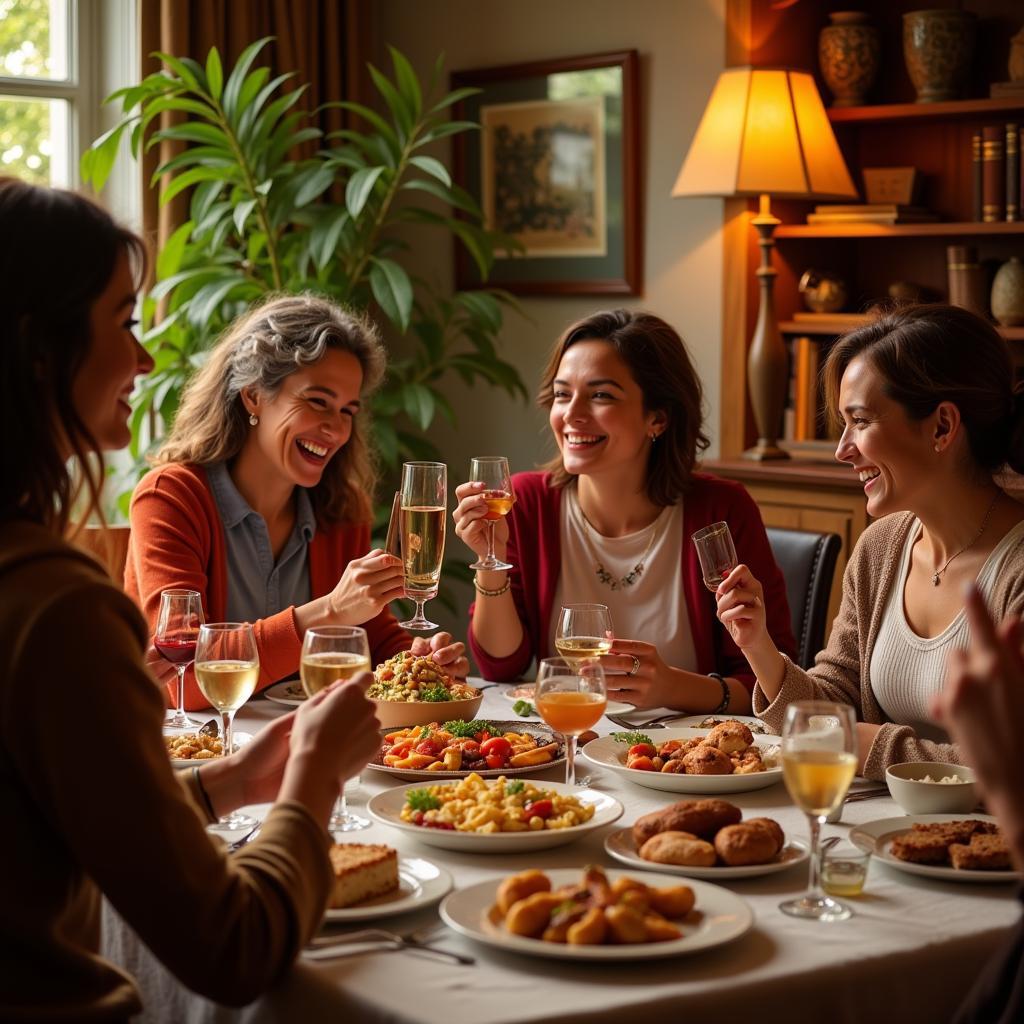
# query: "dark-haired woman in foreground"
{"type": "Point", "coordinates": [88, 794]}
{"type": "Point", "coordinates": [610, 521]}
{"type": "Point", "coordinates": [929, 414]}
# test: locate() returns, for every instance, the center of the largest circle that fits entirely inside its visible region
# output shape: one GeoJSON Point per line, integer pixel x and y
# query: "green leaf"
{"type": "Point", "coordinates": [442, 131]}
{"type": "Point", "coordinates": [396, 104]}
{"type": "Point", "coordinates": [169, 260]}
{"type": "Point", "coordinates": [241, 215]}
{"type": "Point", "coordinates": [419, 404]}
{"type": "Point", "coordinates": [386, 441]}
{"type": "Point", "coordinates": [408, 83]}
{"type": "Point", "coordinates": [181, 69]}
{"type": "Point", "coordinates": [433, 167]}
{"type": "Point", "coordinates": [96, 169]}
{"type": "Point", "coordinates": [484, 307]}
{"type": "Point", "coordinates": [318, 182]}
{"type": "Point", "coordinates": [392, 289]}
{"type": "Point", "coordinates": [323, 239]}
{"type": "Point", "coordinates": [360, 187]}
{"type": "Point", "coordinates": [476, 245]}
{"type": "Point", "coordinates": [447, 195]}
{"type": "Point", "coordinates": [378, 122]}
{"type": "Point", "coordinates": [455, 96]}
{"type": "Point", "coordinates": [236, 79]}
{"type": "Point", "coordinates": [250, 88]}
{"type": "Point", "coordinates": [192, 132]}
{"type": "Point", "coordinates": [189, 178]}
{"type": "Point", "coordinates": [214, 73]}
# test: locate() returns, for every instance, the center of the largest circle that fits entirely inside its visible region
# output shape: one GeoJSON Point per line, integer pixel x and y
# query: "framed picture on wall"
{"type": "Point", "coordinates": [555, 166]}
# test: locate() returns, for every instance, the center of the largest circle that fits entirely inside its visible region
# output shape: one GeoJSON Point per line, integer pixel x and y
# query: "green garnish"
{"type": "Point", "coordinates": [523, 708]}
{"type": "Point", "coordinates": [436, 693]}
{"type": "Point", "coordinates": [632, 738]}
{"type": "Point", "coordinates": [424, 732]}
{"type": "Point", "coordinates": [421, 800]}
{"type": "Point", "coordinates": [515, 787]}
{"type": "Point", "coordinates": [470, 729]}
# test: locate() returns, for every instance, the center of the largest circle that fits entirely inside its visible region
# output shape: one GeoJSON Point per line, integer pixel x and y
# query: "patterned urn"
{"type": "Point", "coordinates": [938, 47]}
{"type": "Point", "coordinates": [1008, 293]}
{"type": "Point", "coordinates": [849, 53]}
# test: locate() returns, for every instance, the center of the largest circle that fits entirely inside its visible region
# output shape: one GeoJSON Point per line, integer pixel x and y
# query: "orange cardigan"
{"type": "Point", "coordinates": [177, 540]}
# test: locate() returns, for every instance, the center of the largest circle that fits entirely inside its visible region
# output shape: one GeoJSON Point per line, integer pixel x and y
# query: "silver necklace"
{"type": "Point", "coordinates": [603, 575]}
{"type": "Point", "coordinates": [969, 544]}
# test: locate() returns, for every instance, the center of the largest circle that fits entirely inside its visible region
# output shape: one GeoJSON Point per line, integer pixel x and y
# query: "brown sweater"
{"type": "Point", "coordinates": [841, 672]}
{"type": "Point", "coordinates": [91, 805]}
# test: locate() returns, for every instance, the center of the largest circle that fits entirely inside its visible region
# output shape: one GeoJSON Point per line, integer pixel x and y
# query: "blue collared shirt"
{"type": "Point", "coordinates": [258, 586]}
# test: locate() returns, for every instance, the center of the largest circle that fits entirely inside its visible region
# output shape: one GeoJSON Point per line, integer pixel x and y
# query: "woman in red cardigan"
{"type": "Point", "coordinates": [260, 496]}
{"type": "Point", "coordinates": [610, 520]}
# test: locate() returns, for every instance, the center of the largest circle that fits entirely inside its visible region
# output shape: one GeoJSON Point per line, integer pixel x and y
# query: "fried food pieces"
{"type": "Point", "coordinates": [593, 911]}
{"type": "Point", "coordinates": [967, 844]}
{"type": "Point", "coordinates": [703, 818]}
{"type": "Point", "coordinates": [727, 749]}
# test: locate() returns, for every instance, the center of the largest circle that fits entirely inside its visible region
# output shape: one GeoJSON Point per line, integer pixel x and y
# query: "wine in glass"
{"type": "Point", "coordinates": [227, 669]}
{"type": "Point", "coordinates": [819, 758]}
{"type": "Point", "coordinates": [492, 472]}
{"type": "Point", "coordinates": [571, 697]}
{"type": "Point", "coordinates": [716, 552]}
{"type": "Point", "coordinates": [583, 631]}
{"type": "Point", "coordinates": [330, 653]}
{"type": "Point", "coordinates": [177, 630]}
{"type": "Point", "coordinates": [424, 514]}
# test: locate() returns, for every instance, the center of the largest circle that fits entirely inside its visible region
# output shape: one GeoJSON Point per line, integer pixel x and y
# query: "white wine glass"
{"type": "Point", "coordinates": [492, 472]}
{"type": "Point", "coordinates": [177, 630]}
{"type": "Point", "coordinates": [717, 553]}
{"type": "Point", "coordinates": [819, 758]}
{"type": "Point", "coordinates": [571, 697]}
{"type": "Point", "coordinates": [424, 515]}
{"type": "Point", "coordinates": [330, 653]}
{"type": "Point", "coordinates": [583, 631]}
{"type": "Point", "coordinates": [227, 669]}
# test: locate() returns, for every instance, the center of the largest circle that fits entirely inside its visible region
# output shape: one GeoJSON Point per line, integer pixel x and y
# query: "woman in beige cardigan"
{"type": "Point", "coordinates": [929, 413]}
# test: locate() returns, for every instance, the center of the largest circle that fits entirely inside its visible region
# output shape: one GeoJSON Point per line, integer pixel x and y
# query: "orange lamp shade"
{"type": "Point", "coordinates": [765, 131]}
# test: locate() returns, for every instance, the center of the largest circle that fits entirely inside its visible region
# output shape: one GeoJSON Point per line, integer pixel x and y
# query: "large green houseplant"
{"type": "Point", "coordinates": [262, 220]}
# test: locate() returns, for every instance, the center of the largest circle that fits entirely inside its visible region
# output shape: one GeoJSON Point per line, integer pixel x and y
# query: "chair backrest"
{"type": "Point", "coordinates": [808, 562]}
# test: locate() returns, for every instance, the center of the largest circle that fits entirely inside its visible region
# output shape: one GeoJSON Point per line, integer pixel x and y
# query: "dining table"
{"type": "Point", "coordinates": [909, 952]}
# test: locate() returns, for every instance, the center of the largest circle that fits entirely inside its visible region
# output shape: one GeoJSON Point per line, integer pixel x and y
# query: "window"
{"type": "Point", "coordinates": [58, 59]}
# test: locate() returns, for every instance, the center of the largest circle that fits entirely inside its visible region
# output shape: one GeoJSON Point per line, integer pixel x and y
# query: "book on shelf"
{"type": "Point", "coordinates": [976, 187]}
{"type": "Point", "coordinates": [841, 320]}
{"type": "Point", "coordinates": [1013, 172]}
{"type": "Point", "coordinates": [993, 173]}
{"type": "Point", "coordinates": [869, 208]}
{"type": "Point", "coordinates": [805, 396]}
{"type": "Point", "coordinates": [906, 216]}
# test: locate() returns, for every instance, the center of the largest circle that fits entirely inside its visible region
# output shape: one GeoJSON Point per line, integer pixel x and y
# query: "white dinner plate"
{"type": "Point", "coordinates": [876, 837]}
{"type": "Point", "coordinates": [543, 734]}
{"type": "Point", "coordinates": [387, 807]}
{"type": "Point", "coordinates": [519, 692]}
{"type": "Point", "coordinates": [239, 740]}
{"type": "Point", "coordinates": [697, 722]}
{"type": "Point", "coordinates": [420, 884]}
{"type": "Point", "coordinates": [619, 844]}
{"type": "Point", "coordinates": [289, 692]}
{"type": "Point", "coordinates": [720, 916]}
{"type": "Point", "coordinates": [607, 753]}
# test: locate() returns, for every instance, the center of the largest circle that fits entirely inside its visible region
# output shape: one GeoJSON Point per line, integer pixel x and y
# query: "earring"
{"type": "Point", "coordinates": [254, 421]}
{"type": "Point", "coordinates": [938, 449]}
{"type": "Point", "coordinates": [653, 437]}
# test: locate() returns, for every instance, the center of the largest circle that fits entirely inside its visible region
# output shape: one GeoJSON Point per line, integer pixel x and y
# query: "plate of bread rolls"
{"type": "Point", "coordinates": [727, 759]}
{"type": "Point", "coordinates": [705, 839]}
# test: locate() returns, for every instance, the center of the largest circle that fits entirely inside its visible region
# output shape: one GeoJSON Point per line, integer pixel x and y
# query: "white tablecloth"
{"type": "Point", "coordinates": [909, 953]}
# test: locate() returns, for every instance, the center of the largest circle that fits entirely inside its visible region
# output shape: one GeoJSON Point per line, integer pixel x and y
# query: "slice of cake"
{"type": "Point", "coordinates": [362, 871]}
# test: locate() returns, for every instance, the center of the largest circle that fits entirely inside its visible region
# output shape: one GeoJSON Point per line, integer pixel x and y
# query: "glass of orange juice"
{"type": "Point", "coordinates": [571, 697]}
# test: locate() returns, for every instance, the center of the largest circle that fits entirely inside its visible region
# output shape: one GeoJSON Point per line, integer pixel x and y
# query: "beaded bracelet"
{"type": "Point", "coordinates": [202, 792]}
{"type": "Point", "coordinates": [493, 593]}
{"type": "Point", "coordinates": [726, 693]}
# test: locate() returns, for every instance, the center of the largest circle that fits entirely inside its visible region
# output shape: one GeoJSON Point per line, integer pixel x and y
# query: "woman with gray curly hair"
{"type": "Point", "coordinates": [261, 497]}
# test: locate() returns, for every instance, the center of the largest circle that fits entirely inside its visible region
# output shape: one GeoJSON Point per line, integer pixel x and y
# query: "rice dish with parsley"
{"type": "Point", "coordinates": [407, 678]}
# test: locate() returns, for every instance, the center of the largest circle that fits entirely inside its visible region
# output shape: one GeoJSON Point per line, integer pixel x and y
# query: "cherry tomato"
{"type": "Point", "coordinates": [537, 809]}
{"type": "Point", "coordinates": [641, 750]}
{"type": "Point", "coordinates": [496, 745]}
{"type": "Point", "coordinates": [641, 763]}
{"type": "Point", "coordinates": [428, 746]}
{"type": "Point", "coordinates": [495, 761]}
{"type": "Point", "coordinates": [470, 750]}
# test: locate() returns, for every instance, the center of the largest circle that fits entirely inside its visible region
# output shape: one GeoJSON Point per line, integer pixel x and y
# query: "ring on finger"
{"type": "Point", "coordinates": [636, 666]}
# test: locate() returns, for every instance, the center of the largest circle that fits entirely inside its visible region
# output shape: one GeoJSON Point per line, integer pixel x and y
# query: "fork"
{"type": "Point", "coordinates": [334, 947]}
{"type": "Point", "coordinates": [625, 724]}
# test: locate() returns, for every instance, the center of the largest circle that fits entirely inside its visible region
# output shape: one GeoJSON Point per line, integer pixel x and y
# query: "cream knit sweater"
{"type": "Point", "coordinates": [841, 672]}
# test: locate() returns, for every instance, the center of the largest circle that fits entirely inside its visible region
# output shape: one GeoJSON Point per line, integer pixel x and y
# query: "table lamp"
{"type": "Point", "coordinates": [765, 133]}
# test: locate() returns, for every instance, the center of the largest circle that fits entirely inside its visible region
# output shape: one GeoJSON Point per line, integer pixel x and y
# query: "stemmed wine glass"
{"type": "Point", "coordinates": [819, 758]}
{"type": "Point", "coordinates": [227, 669]}
{"type": "Point", "coordinates": [492, 472]}
{"type": "Point", "coordinates": [716, 552]}
{"type": "Point", "coordinates": [330, 653]}
{"type": "Point", "coordinates": [177, 629]}
{"type": "Point", "coordinates": [424, 514]}
{"type": "Point", "coordinates": [583, 631]}
{"type": "Point", "coordinates": [571, 697]}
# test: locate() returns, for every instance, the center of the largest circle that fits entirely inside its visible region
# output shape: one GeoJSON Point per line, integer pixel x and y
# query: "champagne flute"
{"type": "Point", "coordinates": [393, 543]}
{"type": "Point", "coordinates": [492, 472]}
{"type": "Point", "coordinates": [571, 697]}
{"type": "Point", "coordinates": [716, 552]}
{"type": "Point", "coordinates": [424, 514]}
{"type": "Point", "coordinates": [583, 631]}
{"type": "Point", "coordinates": [330, 653]}
{"type": "Point", "coordinates": [819, 758]}
{"type": "Point", "coordinates": [177, 629]}
{"type": "Point", "coordinates": [227, 669]}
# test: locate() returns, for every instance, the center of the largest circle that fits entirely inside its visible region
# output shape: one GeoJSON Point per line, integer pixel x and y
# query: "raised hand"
{"type": "Point", "coordinates": [470, 525]}
{"type": "Point", "coordinates": [366, 586]}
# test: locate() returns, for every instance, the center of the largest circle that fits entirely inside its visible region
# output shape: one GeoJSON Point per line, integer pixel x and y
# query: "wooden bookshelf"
{"type": "Point", "coordinates": [931, 229]}
{"type": "Point", "coordinates": [830, 328]}
{"type": "Point", "coordinates": [954, 109]}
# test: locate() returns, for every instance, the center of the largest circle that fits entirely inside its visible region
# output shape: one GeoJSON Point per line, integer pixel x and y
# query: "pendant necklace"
{"type": "Point", "coordinates": [603, 575]}
{"type": "Point", "coordinates": [974, 540]}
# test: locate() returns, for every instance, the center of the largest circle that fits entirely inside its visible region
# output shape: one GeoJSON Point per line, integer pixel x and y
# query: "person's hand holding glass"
{"type": "Point", "coordinates": [227, 669]}
{"type": "Point", "coordinates": [177, 631]}
{"type": "Point", "coordinates": [422, 529]}
{"type": "Point", "coordinates": [583, 631]}
{"type": "Point", "coordinates": [571, 697]}
{"type": "Point", "coordinates": [330, 653]}
{"type": "Point", "coordinates": [492, 472]}
{"type": "Point", "coordinates": [819, 758]}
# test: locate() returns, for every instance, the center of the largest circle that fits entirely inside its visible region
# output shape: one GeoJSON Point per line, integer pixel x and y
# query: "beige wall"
{"type": "Point", "coordinates": [682, 49]}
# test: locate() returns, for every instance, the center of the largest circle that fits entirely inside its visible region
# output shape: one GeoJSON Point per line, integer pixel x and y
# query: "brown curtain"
{"type": "Point", "coordinates": [327, 42]}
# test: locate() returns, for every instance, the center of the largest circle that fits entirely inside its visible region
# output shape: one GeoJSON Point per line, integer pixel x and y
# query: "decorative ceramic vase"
{"type": "Point", "coordinates": [1008, 293]}
{"type": "Point", "coordinates": [938, 47]}
{"type": "Point", "coordinates": [1017, 57]}
{"type": "Point", "coordinates": [849, 52]}
{"type": "Point", "coordinates": [823, 292]}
